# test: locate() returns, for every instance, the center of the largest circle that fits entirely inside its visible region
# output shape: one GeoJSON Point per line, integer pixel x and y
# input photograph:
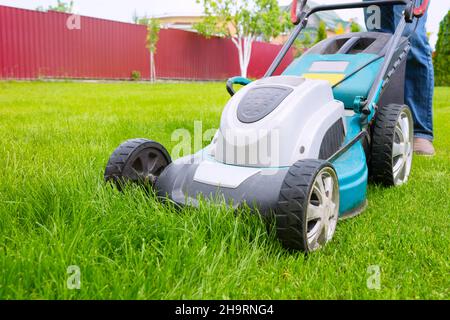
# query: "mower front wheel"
{"type": "Point", "coordinates": [137, 161]}
{"type": "Point", "coordinates": [308, 206]}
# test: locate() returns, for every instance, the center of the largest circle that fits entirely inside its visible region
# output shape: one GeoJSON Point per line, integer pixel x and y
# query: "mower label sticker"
{"type": "Point", "coordinates": [332, 78]}
{"type": "Point", "coordinates": [329, 66]}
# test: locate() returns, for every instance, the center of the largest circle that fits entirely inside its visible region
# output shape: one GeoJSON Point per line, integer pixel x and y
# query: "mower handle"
{"type": "Point", "coordinates": [295, 18]}
{"type": "Point", "coordinates": [296, 12]}
{"type": "Point", "coordinates": [420, 11]}
{"type": "Point", "coordinates": [236, 80]}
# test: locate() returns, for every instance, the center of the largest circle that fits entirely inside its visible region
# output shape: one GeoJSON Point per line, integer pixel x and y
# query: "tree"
{"type": "Point", "coordinates": [355, 27]}
{"type": "Point", "coordinates": [153, 28]}
{"type": "Point", "coordinates": [242, 22]}
{"type": "Point", "coordinates": [441, 58]}
{"type": "Point", "coordinates": [137, 19]}
{"type": "Point", "coordinates": [61, 6]}
{"type": "Point", "coordinates": [301, 45]}
{"type": "Point", "coordinates": [321, 32]}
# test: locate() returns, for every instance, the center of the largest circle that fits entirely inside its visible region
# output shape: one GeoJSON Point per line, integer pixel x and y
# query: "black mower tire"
{"type": "Point", "coordinates": [381, 166]}
{"type": "Point", "coordinates": [131, 161]}
{"type": "Point", "coordinates": [291, 213]}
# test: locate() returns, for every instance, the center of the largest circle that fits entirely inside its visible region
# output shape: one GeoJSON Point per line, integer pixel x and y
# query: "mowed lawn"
{"type": "Point", "coordinates": [56, 212]}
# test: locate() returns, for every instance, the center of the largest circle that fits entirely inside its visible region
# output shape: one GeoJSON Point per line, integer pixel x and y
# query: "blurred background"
{"type": "Point", "coordinates": [112, 39]}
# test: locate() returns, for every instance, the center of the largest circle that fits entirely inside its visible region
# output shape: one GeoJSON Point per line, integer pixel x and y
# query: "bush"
{"type": "Point", "coordinates": [301, 45]}
{"type": "Point", "coordinates": [441, 59]}
{"type": "Point", "coordinates": [321, 32]}
{"type": "Point", "coordinates": [135, 75]}
{"type": "Point", "coordinates": [355, 27]}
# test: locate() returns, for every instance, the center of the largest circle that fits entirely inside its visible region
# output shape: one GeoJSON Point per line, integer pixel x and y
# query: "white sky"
{"type": "Point", "coordinates": [123, 10]}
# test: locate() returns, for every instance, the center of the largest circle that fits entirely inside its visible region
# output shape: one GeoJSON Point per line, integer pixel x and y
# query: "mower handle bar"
{"type": "Point", "coordinates": [420, 11]}
{"type": "Point", "coordinates": [301, 19]}
{"type": "Point", "coordinates": [297, 13]}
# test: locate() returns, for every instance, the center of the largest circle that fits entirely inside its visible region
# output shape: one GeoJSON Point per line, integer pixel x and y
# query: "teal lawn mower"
{"type": "Point", "coordinates": [300, 147]}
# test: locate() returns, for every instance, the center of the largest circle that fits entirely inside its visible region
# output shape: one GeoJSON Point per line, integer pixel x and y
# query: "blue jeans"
{"type": "Point", "coordinates": [419, 82]}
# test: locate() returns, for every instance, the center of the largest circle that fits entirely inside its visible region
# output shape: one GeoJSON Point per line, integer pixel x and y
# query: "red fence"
{"type": "Point", "coordinates": [39, 44]}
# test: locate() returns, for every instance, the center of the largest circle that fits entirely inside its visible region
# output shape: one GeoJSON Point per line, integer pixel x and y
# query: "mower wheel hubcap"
{"type": "Point", "coordinates": [402, 150]}
{"type": "Point", "coordinates": [148, 165]}
{"type": "Point", "coordinates": [323, 209]}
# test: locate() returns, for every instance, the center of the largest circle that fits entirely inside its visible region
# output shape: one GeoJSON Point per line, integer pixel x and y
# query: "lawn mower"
{"type": "Point", "coordinates": [299, 148]}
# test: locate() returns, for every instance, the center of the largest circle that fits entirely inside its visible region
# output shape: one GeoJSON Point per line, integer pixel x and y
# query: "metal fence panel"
{"type": "Point", "coordinates": [37, 44]}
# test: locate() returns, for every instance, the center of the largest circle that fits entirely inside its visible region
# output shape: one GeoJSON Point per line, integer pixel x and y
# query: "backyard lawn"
{"type": "Point", "coordinates": [56, 212]}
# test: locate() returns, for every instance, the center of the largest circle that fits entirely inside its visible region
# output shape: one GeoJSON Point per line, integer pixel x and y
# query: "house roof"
{"type": "Point", "coordinates": [179, 15]}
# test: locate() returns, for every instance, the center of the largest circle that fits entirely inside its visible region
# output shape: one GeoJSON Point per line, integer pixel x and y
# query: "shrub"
{"type": "Point", "coordinates": [355, 27]}
{"type": "Point", "coordinates": [321, 32]}
{"type": "Point", "coordinates": [441, 59]}
{"type": "Point", "coordinates": [135, 75]}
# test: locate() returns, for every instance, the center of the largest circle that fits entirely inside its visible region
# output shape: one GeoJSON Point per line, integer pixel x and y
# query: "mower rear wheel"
{"type": "Point", "coordinates": [308, 206]}
{"type": "Point", "coordinates": [392, 145]}
{"type": "Point", "coordinates": [138, 161]}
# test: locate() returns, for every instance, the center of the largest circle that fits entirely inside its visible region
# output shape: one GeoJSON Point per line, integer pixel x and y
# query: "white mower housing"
{"type": "Point", "coordinates": [275, 122]}
{"type": "Point", "coordinates": [265, 128]}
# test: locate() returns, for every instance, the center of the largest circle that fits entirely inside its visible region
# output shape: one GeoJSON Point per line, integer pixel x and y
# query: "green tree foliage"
{"type": "Point", "coordinates": [153, 28]}
{"type": "Point", "coordinates": [355, 27]}
{"type": "Point", "coordinates": [144, 20]}
{"type": "Point", "coordinates": [242, 22]}
{"type": "Point", "coordinates": [441, 58]}
{"type": "Point", "coordinates": [321, 32]}
{"type": "Point", "coordinates": [61, 6]}
{"type": "Point", "coordinates": [301, 45]}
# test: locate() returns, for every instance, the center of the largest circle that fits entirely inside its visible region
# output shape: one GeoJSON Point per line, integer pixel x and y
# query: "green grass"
{"type": "Point", "coordinates": [55, 211]}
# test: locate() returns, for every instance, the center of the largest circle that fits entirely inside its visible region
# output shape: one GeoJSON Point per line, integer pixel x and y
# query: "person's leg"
{"type": "Point", "coordinates": [419, 85]}
{"type": "Point", "coordinates": [419, 78]}
{"type": "Point", "coordinates": [420, 82]}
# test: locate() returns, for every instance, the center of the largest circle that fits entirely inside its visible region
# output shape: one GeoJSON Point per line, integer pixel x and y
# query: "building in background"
{"type": "Point", "coordinates": [184, 22]}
